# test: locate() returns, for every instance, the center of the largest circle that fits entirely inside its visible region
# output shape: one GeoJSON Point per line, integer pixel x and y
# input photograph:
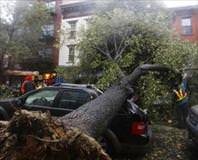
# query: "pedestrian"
{"type": "Point", "coordinates": [27, 85]}
{"type": "Point", "coordinates": [181, 102]}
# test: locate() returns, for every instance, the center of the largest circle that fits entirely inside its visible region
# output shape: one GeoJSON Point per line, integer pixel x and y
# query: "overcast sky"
{"type": "Point", "coordinates": [168, 3]}
{"type": "Point", "coordinates": [180, 3]}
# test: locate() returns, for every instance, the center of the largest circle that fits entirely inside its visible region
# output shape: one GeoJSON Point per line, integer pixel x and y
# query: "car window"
{"type": "Point", "coordinates": [72, 99]}
{"type": "Point", "coordinates": [43, 98]}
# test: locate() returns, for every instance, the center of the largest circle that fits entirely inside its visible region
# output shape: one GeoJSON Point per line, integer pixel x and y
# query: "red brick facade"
{"type": "Point", "coordinates": [182, 13]}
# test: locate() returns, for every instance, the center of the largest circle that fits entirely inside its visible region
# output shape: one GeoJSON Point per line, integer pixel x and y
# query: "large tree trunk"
{"type": "Point", "coordinates": [92, 118]}
{"type": "Point", "coordinates": [28, 134]}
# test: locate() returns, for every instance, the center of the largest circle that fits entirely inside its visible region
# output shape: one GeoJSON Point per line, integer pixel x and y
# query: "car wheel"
{"type": "Point", "coordinates": [105, 144]}
{"type": "Point", "coordinates": [110, 143]}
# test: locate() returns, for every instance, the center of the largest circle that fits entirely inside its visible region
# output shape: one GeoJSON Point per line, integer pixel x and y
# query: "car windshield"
{"type": "Point", "coordinates": [44, 97]}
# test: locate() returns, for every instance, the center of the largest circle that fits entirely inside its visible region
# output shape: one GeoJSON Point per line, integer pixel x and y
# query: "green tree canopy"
{"type": "Point", "coordinates": [122, 37]}
{"type": "Point", "coordinates": [21, 33]}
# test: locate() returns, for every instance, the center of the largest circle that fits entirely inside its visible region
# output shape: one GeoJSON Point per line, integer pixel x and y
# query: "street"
{"type": "Point", "coordinates": [169, 144]}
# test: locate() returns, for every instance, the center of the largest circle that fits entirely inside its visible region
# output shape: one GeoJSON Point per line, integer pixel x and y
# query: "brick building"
{"type": "Point", "coordinates": [51, 30]}
{"type": "Point", "coordinates": [74, 15]}
{"type": "Point", "coordinates": [185, 22]}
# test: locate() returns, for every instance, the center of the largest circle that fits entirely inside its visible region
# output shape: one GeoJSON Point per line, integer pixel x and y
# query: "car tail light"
{"type": "Point", "coordinates": [138, 128]}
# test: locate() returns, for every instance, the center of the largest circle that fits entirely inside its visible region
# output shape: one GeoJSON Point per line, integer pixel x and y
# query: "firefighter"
{"type": "Point", "coordinates": [27, 85]}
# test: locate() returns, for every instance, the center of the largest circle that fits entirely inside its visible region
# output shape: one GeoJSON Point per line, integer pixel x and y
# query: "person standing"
{"type": "Point", "coordinates": [28, 84]}
{"type": "Point", "coordinates": [182, 102]}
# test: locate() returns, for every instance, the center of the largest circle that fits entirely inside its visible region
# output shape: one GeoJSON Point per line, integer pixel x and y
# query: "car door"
{"type": "Point", "coordinates": [71, 99]}
{"type": "Point", "coordinates": [42, 100]}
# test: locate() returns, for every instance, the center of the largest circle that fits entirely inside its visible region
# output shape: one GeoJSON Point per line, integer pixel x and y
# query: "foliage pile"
{"type": "Point", "coordinates": [7, 92]}
{"type": "Point", "coordinates": [169, 144]}
{"type": "Point", "coordinates": [34, 135]}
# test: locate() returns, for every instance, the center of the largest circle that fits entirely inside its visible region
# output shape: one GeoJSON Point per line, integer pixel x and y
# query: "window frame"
{"type": "Point", "coordinates": [48, 30]}
{"type": "Point", "coordinates": [51, 5]}
{"type": "Point", "coordinates": [73, 29]}
{"type": "Point", "coordinates": [186, 27]}
{"type": "Point", "coordinates": [61, 97]}
{"type": "Point", "coordinates": [71, 56]}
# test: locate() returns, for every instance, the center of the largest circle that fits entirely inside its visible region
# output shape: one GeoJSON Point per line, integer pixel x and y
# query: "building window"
{"type": "Point", "coordinates": [51, 5]}
{"type": "Point", "coordinates": [72, 33]}
{"type": "Point", "coordinates": [48, 30]}
{"type": "Point", "coordinates": [45, 53]}
{"type": "Point", "coordinates": [6, 61]}
{"type": "Point", "coordinates": [48, 52]}
{"type": "Point", "coordinates": [88, 20]}
{"type": "Point", "coordinates": [71, 53]}
{"type": "Point", "coordinates": [186, 24]}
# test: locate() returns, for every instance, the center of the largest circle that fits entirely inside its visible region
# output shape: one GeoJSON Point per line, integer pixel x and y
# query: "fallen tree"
{"type": "Point", "coordinates": [35, 135]}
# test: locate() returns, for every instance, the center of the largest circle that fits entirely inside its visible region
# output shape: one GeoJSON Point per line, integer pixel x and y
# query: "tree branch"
{"type": "Point", "coordinates": [108, 51]}
{"type": "Point", "coordinates": [120, 53]}
{"type": "Point", "coordinates": [121, 43]}
{"type": "Point", "coordinates": [115, 43]}
{"type": "Point", "coordinates": [102, 52]}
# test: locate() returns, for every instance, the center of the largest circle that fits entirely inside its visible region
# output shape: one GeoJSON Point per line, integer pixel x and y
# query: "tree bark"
{"type": "Point", "coordinates": [93, 117]}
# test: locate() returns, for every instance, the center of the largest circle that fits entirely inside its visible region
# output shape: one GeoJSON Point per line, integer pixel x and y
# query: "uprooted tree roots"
{"type": "Point", "coordinates": [35, 136]}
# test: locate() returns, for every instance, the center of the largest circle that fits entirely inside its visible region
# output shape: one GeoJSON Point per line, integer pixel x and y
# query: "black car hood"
{"type": "Point", "coordinates": [134, 109]}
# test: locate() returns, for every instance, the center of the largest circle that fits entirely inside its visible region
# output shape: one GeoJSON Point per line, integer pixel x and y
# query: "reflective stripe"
{"type": "Point", "coordinates": [23, 87]}
{"type": "Point", "coordinates": [180, 94]}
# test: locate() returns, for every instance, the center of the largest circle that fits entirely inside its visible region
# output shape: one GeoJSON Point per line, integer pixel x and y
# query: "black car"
{"type": "Point", "coordinates": [192, 124]}
{"type": "Point", "coordinates": [128, 131]}
{"type": "Point", "coordinates": [192, 119]}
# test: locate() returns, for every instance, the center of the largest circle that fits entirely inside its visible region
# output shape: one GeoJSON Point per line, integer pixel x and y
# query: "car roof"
{"type": "Point", "coordinates": [86, 87]}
